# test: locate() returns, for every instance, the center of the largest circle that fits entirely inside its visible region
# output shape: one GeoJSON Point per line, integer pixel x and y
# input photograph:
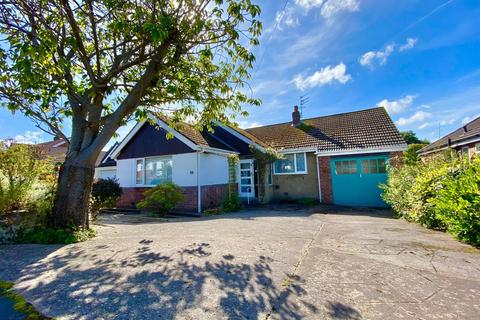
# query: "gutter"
{"type": "Point", "coordinates": [446, 147]}
{"type": "Point", "coordinates": [199, 187]}
{"type": "Point", "coordinates": [361, 151]}
{"type": "Point", "coordinates": [318, 179]}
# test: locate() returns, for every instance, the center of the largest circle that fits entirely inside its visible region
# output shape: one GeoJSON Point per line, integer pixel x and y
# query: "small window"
{"type": "Point", "coordinates": [346, 167]}
{"type": "Point", "coordinates": [139, 172]}
{"type": "Point", "coordinates": [372, 166]}
{"type": "Point", "coordinates": [291, 163]}
{"type": "Point", "coordinates": [477, 148]}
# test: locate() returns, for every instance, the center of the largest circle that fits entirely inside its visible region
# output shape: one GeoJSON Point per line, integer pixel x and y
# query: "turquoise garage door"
{"type": "Point", "coordinates": [355, 181]}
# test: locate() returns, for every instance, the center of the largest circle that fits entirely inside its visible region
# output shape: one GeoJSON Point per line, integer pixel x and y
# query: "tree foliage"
{"type": "Point", "coordinates": [410, 155]}
{"type": "Point", "coordinates": [410, 137]}
{"type": "Point", "coordinates": [94, 64]}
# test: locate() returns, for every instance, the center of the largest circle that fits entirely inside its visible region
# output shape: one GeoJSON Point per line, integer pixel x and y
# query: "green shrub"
{"type": "Point", "coordinates": [56, 236]}
{"type": "Point", "coordinates": [213, 212]}
{"type": "Point", "coordinates": [163, 198]}
{"type": "Point", "coordinates": [410, 155]}
{"type": "Point", "coordinates": [308, 202]}
{"type": "Point", "coordinates": [232, 203]}
{"type": "Point", "coordinates": [20, 169]}
{"type": "Point", "coordinates": [105, 194]}
{"type": "Point", "coordinates": [457, 202]}
{"type": "Point", "coordinates": [442, 193]}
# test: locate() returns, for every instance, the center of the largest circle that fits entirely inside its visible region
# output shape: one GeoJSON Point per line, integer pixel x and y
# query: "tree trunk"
{"type": "Point", "coordinates": [70, 208]}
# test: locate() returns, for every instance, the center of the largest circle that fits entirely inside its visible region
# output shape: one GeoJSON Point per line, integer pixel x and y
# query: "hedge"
{"type": "Point", "coordinates": [442, 193]}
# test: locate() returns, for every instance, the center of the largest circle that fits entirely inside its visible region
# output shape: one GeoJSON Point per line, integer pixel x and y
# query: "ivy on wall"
{"type": "Point", "coordinates": [263, 159]}
{"type": "Point", "coordinates": [233, 161]}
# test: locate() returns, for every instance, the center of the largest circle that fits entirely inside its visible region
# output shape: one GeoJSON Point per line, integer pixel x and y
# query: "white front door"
{"type": "Point", "coordinates": [247, 184]}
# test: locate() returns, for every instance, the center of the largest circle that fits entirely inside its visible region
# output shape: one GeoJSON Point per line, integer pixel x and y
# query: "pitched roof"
{"type": "Point", "coordinates": [469, 131]}
{"type": "Point", "coordinates": [55, 149]}
{"type": "Point", "coordinates": [200, 138]}
{"type": "Point", "coordinates": [365, 129]}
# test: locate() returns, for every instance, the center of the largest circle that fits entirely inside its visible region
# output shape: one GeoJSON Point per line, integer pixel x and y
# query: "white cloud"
{"type": "Point", "coordinates": [329, 8]}
{"type": "Point", "coordinates": [425, 106]}
{"type": "Point", "coordinates": [29, 137]}
{"type": "Point", "coordinates": [467, 119]}
{"type": "Point", "coordinates": [245, 124]}
{"type": "Point", "coordinates": [448, 121]}
{"type": "Point", "coordinates": [371, 57]}
{"type": "Point", "coordinates": [409, 44]}
{"type": "Point", "coordinates": [286, 18]}
{"type": "Point", "coordinates": [424, 125]}
{"type": "Point", "coordinates": [418, 116]}
{"type": "Point", "coordinates": [397, 106]}
{"type": "Point", "coordinates": [324, 76]}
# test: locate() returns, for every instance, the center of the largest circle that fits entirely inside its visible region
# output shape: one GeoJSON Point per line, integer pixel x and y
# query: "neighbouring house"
{"type": "Point", "coordinates": [464, 140]}
{"type": "Point", "coordinates": [105, 166]}
{"type": "Point", "coordinates": [337, 159]}
{"type": "Point", "coordinates": [54, 150]}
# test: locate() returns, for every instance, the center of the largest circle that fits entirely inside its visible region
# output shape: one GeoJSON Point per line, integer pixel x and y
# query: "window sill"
{"type": "Point", "coordinates": [290, 173]}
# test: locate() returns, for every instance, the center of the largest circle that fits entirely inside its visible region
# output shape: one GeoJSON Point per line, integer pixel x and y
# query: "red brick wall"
{"type": "Point", "coordinates": [212, 196]}
{"type": "Point", "coordinates": [396, 158]}
{"type": "Point", "coordinates": [325, 179]}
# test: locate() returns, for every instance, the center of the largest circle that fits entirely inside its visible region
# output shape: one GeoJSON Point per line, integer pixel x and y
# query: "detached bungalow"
{"type": "Point", "coordinates": [465, 140]}
{"type": "Point", "coordinates": [337, 159]}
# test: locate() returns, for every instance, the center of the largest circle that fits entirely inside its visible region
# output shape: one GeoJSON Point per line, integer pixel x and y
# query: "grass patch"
{"type": "Point", "coordinates": [20, 304]}
{"type": "Point", "coordinates": [57, 236]}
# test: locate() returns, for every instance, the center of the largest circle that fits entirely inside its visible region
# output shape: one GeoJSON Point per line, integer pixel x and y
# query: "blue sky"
{"type": "Point", "coordinates": [418, 58]}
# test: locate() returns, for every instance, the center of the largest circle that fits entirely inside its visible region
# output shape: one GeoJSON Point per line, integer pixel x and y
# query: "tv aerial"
{"type": "Point", "coordinates": [304, 99]}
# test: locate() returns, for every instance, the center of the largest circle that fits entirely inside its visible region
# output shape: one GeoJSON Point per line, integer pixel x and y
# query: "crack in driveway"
{"type": "Point", "coordinates": [288, 280]}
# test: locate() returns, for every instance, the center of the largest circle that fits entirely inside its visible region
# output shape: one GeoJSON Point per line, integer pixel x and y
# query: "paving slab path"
{"type": "Point", "coordinates": [256, 264]}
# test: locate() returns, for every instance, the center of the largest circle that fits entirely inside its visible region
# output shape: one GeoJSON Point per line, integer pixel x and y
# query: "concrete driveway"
{"type": "Point", "coordinates": [258, 264]}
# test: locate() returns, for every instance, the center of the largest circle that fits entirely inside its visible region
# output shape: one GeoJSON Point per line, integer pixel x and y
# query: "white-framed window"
{"type": "Point", "coordinates": [372, 166]}
{"type": "Point", "coordinates": [477, 148]}
{"type": "Point", "coordinates": [346, 167]}
{"type": "Point", "coordinates": [139, 171]}
{"type": "Point", "coordinates": [153, 171]}
{"type": "Point", "coordinates": [291, 163]}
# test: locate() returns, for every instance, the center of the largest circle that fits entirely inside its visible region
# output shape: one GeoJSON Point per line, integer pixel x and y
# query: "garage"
{"type": "Point", "coordinates": [356, 180]}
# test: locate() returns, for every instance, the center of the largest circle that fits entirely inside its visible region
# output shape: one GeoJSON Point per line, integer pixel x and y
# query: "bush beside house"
{"type": "Point", "coordinates": [105, 194]}
{"type": "Point", "coordinates": [442, 193]}
{"type": "Point", "coordinates": [162, 199]}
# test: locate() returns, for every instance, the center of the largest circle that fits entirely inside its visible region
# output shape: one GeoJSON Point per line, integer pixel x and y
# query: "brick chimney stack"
{"type": "Point", "coordinates": [295, 117]}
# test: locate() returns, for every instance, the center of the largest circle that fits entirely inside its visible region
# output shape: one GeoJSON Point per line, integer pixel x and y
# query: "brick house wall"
{"type": "Point", "coordinates": [212, 196]}
{"type": "Point", "coordinates": [325, 179]}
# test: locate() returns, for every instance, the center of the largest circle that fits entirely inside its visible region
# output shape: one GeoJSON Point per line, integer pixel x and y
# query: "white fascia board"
{"type": "Point", "coordinates": [296, 150]}
{"type": "Point", "coordinates": [221, 152]}
{"type": "Point", "coordinates": [127, 138]}
{"type": "Point", "coordinates": [240, 136]}
{"type": "Point", "coordinates": [465, 142]}
{"type": "Point", "coordinates": [360, 151]}
{"type": "Point", "coordinates": [458, 144]}
{"type": "Point", "coordinates": [176, 134]}
{"type": "Point", "coordinates": [58, 144]}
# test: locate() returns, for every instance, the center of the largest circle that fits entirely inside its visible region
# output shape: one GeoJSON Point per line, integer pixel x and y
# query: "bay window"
{"type": "Point", "coordinates": [291, 163]}
{"type": "Point", "coordinates": [153, 171]}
